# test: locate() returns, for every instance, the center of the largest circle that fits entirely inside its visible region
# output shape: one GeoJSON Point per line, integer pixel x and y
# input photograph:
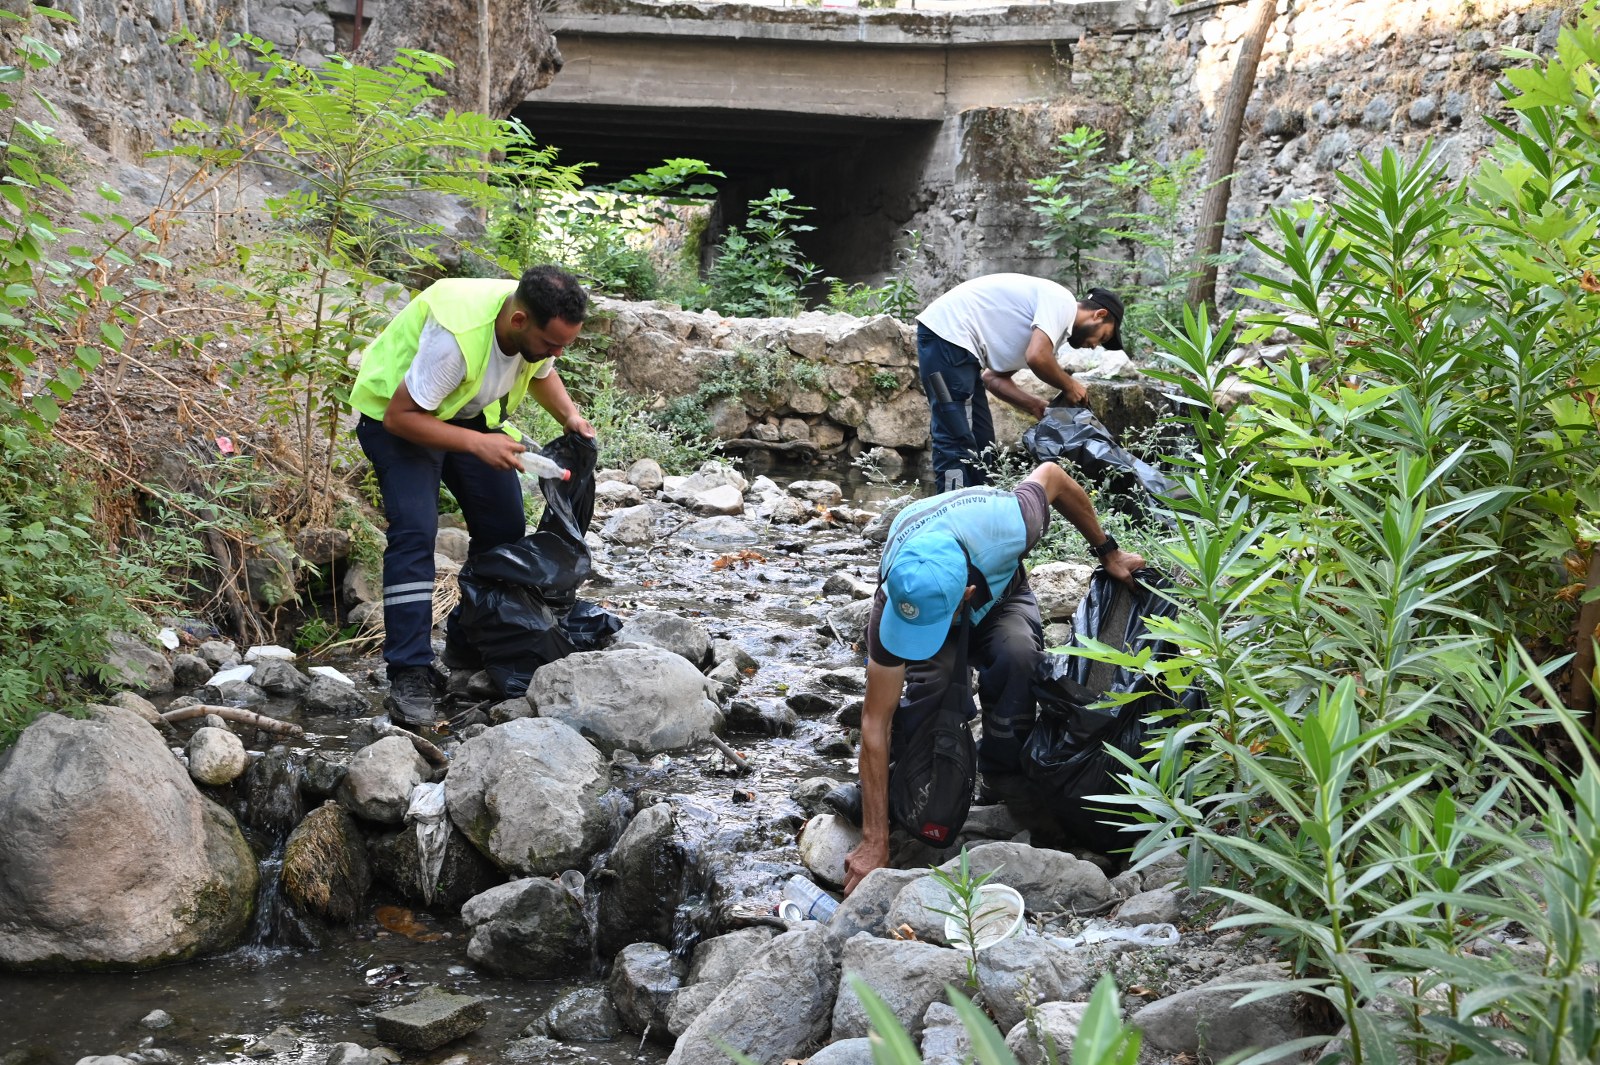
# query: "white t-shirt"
{"type": "Point", "coordinates": [439, 369]}
{"type": "Point", "coordinates": [994, 317]}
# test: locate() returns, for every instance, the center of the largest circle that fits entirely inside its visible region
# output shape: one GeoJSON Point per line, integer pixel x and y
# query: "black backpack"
{"type": "Point", "coordinates": [935, 768]}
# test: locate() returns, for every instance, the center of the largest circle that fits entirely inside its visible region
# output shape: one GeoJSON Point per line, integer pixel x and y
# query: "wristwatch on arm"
{"type": "Point", "coordinates": [1106, 547]}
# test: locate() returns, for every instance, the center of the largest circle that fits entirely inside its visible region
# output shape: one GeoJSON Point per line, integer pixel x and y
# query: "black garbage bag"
{"type": "Point", "coordinates": [1065, 757]}
{"type": "Point", "coordinates": [1075, 433]}
{"type": "Point", "coordinates": [519, 606]}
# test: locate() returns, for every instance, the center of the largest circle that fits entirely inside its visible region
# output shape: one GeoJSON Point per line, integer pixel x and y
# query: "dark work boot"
{"type": "Point", "coordinates": [411, 696]}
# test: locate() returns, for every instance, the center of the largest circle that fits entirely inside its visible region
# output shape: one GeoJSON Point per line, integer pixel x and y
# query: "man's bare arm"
{"type": "Point", "coordinates": [1072, 502]}
{"type": "Point", "coordinates": [1041, 356]}
{"type": "Point", "coordinates": [405, 419]}
{"type": "Point", "coordinates": [884, 687]}
{"type": "Point", "coordinates": [551, 393]}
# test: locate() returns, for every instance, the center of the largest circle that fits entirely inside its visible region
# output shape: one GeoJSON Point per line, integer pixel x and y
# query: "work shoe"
{"type": "Point", "coordinates": [1008, 788]}
{"type": "Point", "coordinates": [845, 800]}
{"type": "Point", "coordinates": [410, 701]}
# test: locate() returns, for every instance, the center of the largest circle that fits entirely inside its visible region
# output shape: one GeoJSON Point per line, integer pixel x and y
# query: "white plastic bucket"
{"type": "Point", "coordinates": [999, 917]}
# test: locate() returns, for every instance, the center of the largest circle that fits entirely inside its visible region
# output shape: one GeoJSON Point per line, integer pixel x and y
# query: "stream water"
{"type": "Point", "coordinates": [326, 986]}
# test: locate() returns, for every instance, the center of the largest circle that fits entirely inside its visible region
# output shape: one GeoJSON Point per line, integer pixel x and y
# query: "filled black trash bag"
{"type": "Point", "coordinates": [519, 606]}
{"type": "Point", "coordinates": [1065, 757]}
{"type": "Point", "coordinates": [1075, 433]}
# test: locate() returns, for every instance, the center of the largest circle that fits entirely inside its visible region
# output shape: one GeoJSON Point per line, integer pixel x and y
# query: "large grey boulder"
{"type": "Point", "coordinates": [639, 897]}
{"type": "Point", "coordinates": [1050, 881]}
{"type": "Point", "coordinates": [582, 1016]}
{"type": "Point", "coordinates": [1051, 1035]}
{"type": "Point", "coordinates": [135, 664]}
{"type": "Point", "coordinates": [917, 907]}
{"type": "Point", "coordinates": [644, 977]}
{"type": "Point", "coordinates": [687, 1003]}
{"type": "Point", "coordinates": [110, 858]}
{"type": "Point", "coordinates": [325, 869]}
{"type": "Point", "coordinates": [276, 676]}
{"type": "Point", "coordinates": [216, 756]}
{"type": "Point", "coordinates": [867, 908]}
{"type": "Point", "coordinates": [908, 977]}
{"type": "Point", "coordinates": [1204, 1019]}
{"type": "Point", "coordinates": [532, 927]}
{"type": "Point", "coordinates": [719, 959]}
{"type": "Point", "coordinates": [674, 632]}
{"type": "Point", "coordinates": [856, 1051]}
{"type": "Point", "coordinates": [945, 1040]}
{"type": "Point", "coordinates": [527, 794]}
{"type": "Point", "coordinates": [778, 1008]}
{"type": "Point", "coordinates": [643, 699]}
{"type": "Point", "coordinates": [377, 786]}
{"type": "Point", "coordinates": [1026, 971]}
{"type": "Point", "coordinates": [333, 695]}
{"type": "Point", "coordinates": [630, 525]}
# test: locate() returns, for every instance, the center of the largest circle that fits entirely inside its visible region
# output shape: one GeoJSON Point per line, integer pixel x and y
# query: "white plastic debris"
{"type": "Point", "coordinates": [331, 673]}
{"type": "Point", "coordinates": [427, 811]}
{"type": "Point", "coordinates": [232, 673]}
{"type": "Point", "coordinates": [168, 638]}
{"type": "Point", "coordinates": [261, 652]}
{"type": "Point", "coordinates": [1144, 935]}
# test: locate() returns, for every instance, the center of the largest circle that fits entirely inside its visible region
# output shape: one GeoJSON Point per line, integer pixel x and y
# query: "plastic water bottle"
{"type": "Point", "coordinates": [540, 466]}
{"type": "Point", "coordinates": [811, 902]}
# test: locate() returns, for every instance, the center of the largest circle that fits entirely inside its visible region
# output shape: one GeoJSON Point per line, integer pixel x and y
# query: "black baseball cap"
{"type": "Point", "coordinates": [1109, 302]}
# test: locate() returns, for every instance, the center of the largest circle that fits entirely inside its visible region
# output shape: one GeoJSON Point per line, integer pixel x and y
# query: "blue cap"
{"type": "Point", "coordinates": [924, 586]}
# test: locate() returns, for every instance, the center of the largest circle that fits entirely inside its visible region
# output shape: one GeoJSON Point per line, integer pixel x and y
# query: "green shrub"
{"type": "Point", "coordinates": [759, 269]}
{"type": "Point", "coordinates": [896, 296]}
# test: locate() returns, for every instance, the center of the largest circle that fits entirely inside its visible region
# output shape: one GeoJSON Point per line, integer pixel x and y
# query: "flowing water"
{"type": "Point", "coordinates": [326, 985]}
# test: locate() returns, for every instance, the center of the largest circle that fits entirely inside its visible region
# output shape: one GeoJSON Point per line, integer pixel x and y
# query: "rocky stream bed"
{"type": "Point", "coordinates": [609, 877]}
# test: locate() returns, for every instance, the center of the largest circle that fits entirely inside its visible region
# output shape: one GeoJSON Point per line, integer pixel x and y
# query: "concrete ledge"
{"type": "Point", "coordinates": [1022, 25]}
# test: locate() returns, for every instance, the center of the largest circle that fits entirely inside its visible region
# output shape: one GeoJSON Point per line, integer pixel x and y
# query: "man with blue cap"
{"type": "Point", "coordinates": [961, 551]}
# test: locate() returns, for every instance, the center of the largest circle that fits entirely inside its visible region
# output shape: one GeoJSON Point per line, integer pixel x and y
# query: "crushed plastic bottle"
{"type": "Point", "coordinates": [1144, 935]}
{"type": "Point", "coordinates": [537, 465]}
{"type": "Point", "coordinates": [810, 903]}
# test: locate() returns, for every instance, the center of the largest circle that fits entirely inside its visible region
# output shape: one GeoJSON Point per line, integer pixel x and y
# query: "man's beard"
{"type": "Point", "coordinates": [1079, 337]}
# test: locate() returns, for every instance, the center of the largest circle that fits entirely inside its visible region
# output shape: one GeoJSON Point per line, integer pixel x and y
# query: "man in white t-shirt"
{"type": "Point", "coordinates": [982, 332]}
{"type": "Point", "coordinates": [434, 391]}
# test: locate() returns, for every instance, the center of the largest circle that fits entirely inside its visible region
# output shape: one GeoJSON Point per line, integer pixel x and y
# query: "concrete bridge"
{"type": "Point", "coordinates": [858, 112]}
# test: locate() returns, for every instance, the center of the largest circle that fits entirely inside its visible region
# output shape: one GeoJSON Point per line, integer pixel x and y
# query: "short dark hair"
{"type": "Point", "coordinates": [547, 292]}
{"type": "Point", "coordinates": [1106, 300]}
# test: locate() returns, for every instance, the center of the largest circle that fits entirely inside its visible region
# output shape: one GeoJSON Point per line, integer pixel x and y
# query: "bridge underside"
{"type": "Point", "coordinates": [861, 175]}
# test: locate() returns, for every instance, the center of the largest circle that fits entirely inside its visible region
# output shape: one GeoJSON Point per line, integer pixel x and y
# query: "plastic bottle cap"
{"type": "Point", "coordinates": [566, 475]}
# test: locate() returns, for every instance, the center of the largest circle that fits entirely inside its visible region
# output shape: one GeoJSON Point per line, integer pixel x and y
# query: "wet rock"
{"type": "Point", "coordinates": [1051, 1035]}
{"type": "Point", "coordinates": [218, 654]}
{"type": "Point", "coordinates": [907, 976]}
{"type": "Point", "coordinates": [645, 474]}
{"type": "Point", "coordinates": [356, 1054]}
{"type": "Point", "coordinates": [849, 715]}
{"type": "Point", "coordinates": [134, 664]}
{"type": "Point", "coordinates": [233, 692]}
{"type": "Point", "coordinates": [779, 1007]}
{"type": "Point", "coordinates": [787, 510]}
{"type": "Point", "coordinates": [106, 1059]}
{"type": "Point", "coordinates": [877, 529]}
{"type": "Point", "coordinates": [643, 978]}
{"type": "Point", "coordinates": [730, 652]}
{"type": "Point", "coordinates": [724, 499]}
{"type": "Point", "coordinates": [856, 1051]}
{"type": "Point", "coordinates": [331, 695]}
{"type": "Point", "coordinates": [216, 756]}
{"type": "Point", "coordinates": [532, 927]}
{"type": "Point", "coordinates": [510, 710]}
{"type": "Point", "coordinates": [1150, 907]}
{"type": "Point", "coordinates": [720, 532]}
{"type": "Point", "coordinates": [945, 1040]}
{"type": "Point", "coordinates": [687, 1003]}
{"type": "Point", "coordinates": [527, 794]}
{"type": "Point", "coordinates": [322, 776]}
{"type": "Point", "coordinates": [845, 583]}
{"type": "Point", "coordinates": [139, 705]}
{"type": "Point", "coordinates": [826, 842]}
{"type": "Point", "coordinates": [826, 493]}
{"type": "Point", "coordinates": [848, 624]}
{"type": "Point", "coordinates": [726, 679]}
{"type": "Point", "coordinates": [717, 961]}
{"type": "Point", "coordinates": [189, 672]}
{"type": "Point", "coordinates": [1025, 969]}
{"type": "Point", "coordinates": [110, 858]}
{"type": "Point", "coordinates": [1204, 1019]}
{"type": "Point", "coordinates": [617, 494]}
{"type": "Point", "coordinates": [325, 868]}
{"type": "Point", "coordinates": [813, 701]}
{"type": "Point", "coordinates": [277, 677]}
{"type": "Point", "coordinates": [674, 632]}
{"type": "Point", "coordinates": [272, 787]}
{"type": "Point", "coordinates": [156, 1020]}
{"type": "Point", "coordinates": [1049, 880]}
{"type": "Point", "coordinates": [836, 745]}
{"type": "Point", "coordinates": [630, 525]}
{"type": "Point", "coordinates": [377, 785]}
{"type": "Point", "coordinates": [764, 718]}
{"type": "Point", "coordinates": [463, 873]}
{"type": "Point", "coordinates": [1059, 587]}
{"type": "Point", "coordinates": [583, 1016]}
{"type": "Point", "coordinates": [431, 1020]}
{"type": "Point", "coordinates": [867, 908]}
{"type": "Point", "coordinates": [638, 899]}
{"type": "Point", "coordinates": [644, 699]}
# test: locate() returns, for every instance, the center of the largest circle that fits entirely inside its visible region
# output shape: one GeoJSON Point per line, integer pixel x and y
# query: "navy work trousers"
{"type": "Point", "coordinates": [1005, 647]}
{"type": "Point", "coordinates": [409, 476]}
{"type": "Point", "coordinates": [962, 429]}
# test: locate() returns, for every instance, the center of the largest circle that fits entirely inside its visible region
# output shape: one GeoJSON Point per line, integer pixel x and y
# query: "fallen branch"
{"type": "Point", "coordinates": [732, 755]}
{"type": "Point", "coordinates": [423, 747]}
{"type": "Point", "coordinates": [234, 713]}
